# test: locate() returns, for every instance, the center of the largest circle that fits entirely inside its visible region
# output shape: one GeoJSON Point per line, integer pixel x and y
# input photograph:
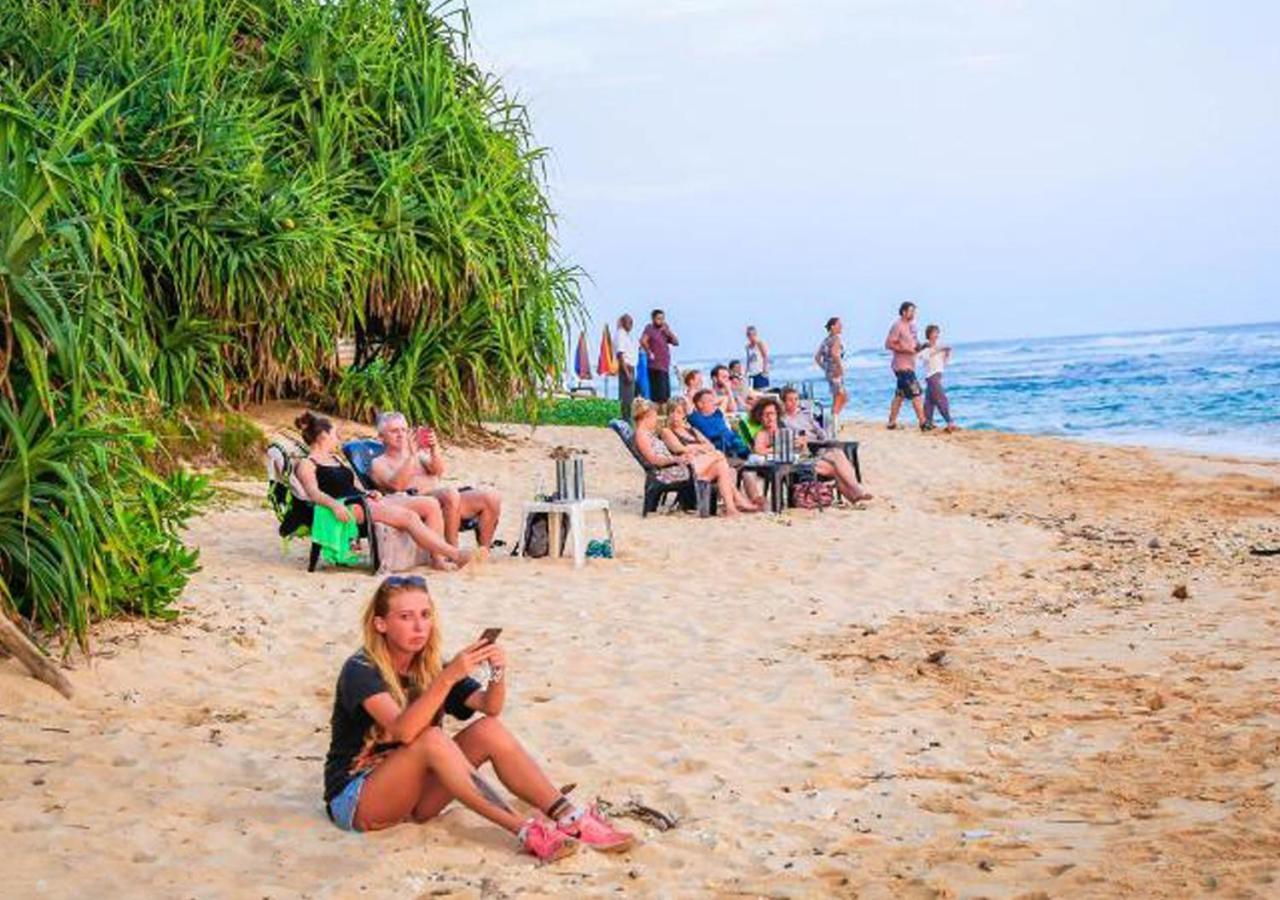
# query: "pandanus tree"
{"type": "Point", "coordinates": [198, 200]}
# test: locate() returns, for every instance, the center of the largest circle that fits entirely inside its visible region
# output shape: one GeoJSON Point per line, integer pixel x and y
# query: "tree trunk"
{"type": "Point", "coordinates": [13, 640]}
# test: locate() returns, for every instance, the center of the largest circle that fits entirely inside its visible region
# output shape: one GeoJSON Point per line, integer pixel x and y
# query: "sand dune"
{"type": "Point", "coordinates": [979, 684]}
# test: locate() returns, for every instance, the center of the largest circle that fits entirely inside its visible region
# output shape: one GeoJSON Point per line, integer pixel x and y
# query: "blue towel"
{"type": "Point", "coordinates": [642, 375]}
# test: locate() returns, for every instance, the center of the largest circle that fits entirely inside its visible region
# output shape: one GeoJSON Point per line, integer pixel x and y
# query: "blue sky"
{"type": "Point", "coordinates": [1017, 168]}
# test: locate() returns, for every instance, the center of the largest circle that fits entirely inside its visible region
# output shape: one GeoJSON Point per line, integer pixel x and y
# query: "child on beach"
{"type": "Point", "coordinates": [935, 359]}
{"type": "Point", "coordinates": [390, 761]}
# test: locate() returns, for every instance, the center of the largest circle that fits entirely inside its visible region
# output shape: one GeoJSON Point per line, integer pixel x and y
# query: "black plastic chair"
{"type": "Point", "coordinates": [656, 491]}
{"type": "Point", "coordinates": [362, 453]}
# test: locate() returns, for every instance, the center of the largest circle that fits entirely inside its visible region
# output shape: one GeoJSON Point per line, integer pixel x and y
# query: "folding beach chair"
{"type": "Point", "coordinates": [656, 491]}
{"type": "Point", "coordinates": [297, 516]}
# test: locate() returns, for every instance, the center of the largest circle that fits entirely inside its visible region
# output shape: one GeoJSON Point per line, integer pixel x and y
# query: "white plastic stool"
{"type": "Point", "coordinates": [576, 511]}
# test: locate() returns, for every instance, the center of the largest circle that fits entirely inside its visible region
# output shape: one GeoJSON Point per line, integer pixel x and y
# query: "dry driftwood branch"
{"type": "Point", "coordinates": [13, 640]}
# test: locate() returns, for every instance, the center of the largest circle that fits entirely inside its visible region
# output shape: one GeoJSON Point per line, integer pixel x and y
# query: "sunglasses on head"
{"type": "Point", "coordinates": [416, 581]}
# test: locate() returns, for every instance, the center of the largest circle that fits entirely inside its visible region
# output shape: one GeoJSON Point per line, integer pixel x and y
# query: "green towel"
{"type": "Point", "coordinates": [334, 537]}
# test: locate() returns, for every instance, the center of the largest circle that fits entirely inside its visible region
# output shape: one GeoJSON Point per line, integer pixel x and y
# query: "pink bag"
{"type": "Point", "coordinates": [813, 495]}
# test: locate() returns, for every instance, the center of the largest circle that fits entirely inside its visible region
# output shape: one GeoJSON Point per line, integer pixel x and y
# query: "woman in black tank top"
{"type": "Point", "coordinates": [328, 482]}
{"type": "Point", "coordinates": [336, 480]}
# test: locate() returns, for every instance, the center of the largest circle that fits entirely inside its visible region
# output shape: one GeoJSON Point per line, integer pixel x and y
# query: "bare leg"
{"type": "Point", "coordinates": [404, 519]}
{"type": "Point", "coordinates": [894, 408]}
{"type": "Point", "coordinates": [487, 506]}
{"type": "Point", "coordinates": [489, 741]}
{"type": "Point", "coordinates": [452, 506]}
{"type": "Point", "coordinates": [426, 507]}
{"type": "Point", "coordinates": [918, 405]}
{"type": "Point", "coordinates": [837, 406]}
{"type": "Point", "coordinates": [727, 479]}
{"type": "Point", "coordinates": [836, 465]}
{"type": "Point", "coordinates": [392, 791]}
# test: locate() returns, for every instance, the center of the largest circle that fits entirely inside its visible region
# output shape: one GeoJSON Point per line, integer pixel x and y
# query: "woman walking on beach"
{"type": "Point", "coordinates": [757, 360]}
{"type": "Point", "coordinates": [935, 359]}
{"type": "Point", "coordinates": [390, 761]}
{"type": "Point", "coordinates": [830, 358]}
{"type": "Point", "coordinates": [329, 483]}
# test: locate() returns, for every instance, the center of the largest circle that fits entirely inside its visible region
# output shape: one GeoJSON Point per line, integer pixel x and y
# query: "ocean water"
{"type": "Point", "coordinates": [1213, 390]}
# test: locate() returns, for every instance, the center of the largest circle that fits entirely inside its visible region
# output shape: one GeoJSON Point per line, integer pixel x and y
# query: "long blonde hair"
{"type": "Point", "coordinates": [425, 665]}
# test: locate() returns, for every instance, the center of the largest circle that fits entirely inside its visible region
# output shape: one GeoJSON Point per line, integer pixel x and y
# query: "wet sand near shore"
{"type": "Point", "coordinates": [980, 684]}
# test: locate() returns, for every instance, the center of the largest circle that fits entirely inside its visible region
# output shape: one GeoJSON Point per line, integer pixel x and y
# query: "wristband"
{"type": "Point", "coordinates": [495, 675]}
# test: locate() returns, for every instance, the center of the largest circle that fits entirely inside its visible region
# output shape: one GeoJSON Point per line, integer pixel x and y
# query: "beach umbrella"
{"type": "Point", "coordinates": [582, 362]}
{"type": "Point", "coordinates": [642, 375]}
{"type": "Point", "coordinates": [606, 363]}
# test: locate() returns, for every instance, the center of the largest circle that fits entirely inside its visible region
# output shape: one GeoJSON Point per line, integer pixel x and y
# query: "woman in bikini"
{"type": "Point", "coordinates": [329, 483]}
{"type": "Point", "coordinates": [674, 466]}
{"type": "Point", "coordinates": [390, 761]}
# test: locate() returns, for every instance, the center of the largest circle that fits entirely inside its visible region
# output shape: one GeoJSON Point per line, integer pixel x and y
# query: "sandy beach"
{"type": "Point", "coordinates": [1029, 668]}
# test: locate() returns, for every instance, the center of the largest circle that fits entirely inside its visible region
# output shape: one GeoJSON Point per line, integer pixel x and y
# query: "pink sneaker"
{"type": "Point", "coordinates": [545, 842]}
{"type": "Point", "coordinates": [597, 832]}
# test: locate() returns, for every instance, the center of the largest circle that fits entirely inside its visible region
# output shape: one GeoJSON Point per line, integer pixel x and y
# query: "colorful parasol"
{"type": "Point", "coordinates": [582, 362]}
{"type": "Point", "coordinates": [608, 363]}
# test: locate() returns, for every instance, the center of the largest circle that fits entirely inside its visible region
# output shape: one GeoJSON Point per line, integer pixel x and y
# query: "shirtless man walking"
{"type": "Point", "coordinates": [414, 461]}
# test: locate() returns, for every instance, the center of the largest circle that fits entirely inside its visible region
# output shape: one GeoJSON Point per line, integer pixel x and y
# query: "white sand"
{"type": "Point", "coordinates": [766, 680]}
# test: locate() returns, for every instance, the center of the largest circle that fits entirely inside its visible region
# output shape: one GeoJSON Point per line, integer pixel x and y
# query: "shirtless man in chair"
{"type": "Point", "coordinates": [413, 461]}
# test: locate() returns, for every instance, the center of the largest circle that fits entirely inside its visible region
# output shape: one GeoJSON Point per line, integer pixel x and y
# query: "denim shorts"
{"type": "Point", "coordinates": [342, 808]}
{"type": "Point", "coordinates": [908, 384]}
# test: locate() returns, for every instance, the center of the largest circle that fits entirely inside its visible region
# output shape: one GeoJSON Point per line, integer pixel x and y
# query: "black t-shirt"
{"type": "Point", "coordinates": [357, 682]}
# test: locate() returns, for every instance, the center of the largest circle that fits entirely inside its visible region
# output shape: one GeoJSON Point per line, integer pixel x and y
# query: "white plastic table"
{"type": "Point", "coordinates": [576, 511]}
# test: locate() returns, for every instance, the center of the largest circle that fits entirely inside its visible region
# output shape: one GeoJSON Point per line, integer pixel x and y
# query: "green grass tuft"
{"type": "Point", "coordinates": [590, 412]}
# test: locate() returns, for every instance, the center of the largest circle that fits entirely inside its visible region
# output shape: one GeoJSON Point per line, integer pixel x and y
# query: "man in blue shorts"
{"type": "Point", "coordinates": [903, 343]}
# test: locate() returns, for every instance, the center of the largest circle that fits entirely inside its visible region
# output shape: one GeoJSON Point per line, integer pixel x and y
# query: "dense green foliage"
{"type": "Point", "coordinates": [200, 200]}
{"type": "Point", "coordinates": [593, 412]}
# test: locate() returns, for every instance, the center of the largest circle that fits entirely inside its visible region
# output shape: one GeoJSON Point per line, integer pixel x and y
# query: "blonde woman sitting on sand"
{"type": "Point", "coordinates": [767, 413]}
{"type": "Point", "coordinates": [674, 466]}
{"type": "Point", "coordinates": [390, 761]}
{"type": "Point", "coordinates": [329, 483]}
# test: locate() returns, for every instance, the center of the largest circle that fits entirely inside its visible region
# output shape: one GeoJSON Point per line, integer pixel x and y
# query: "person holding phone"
{"type": "Point", "coordinates": [328, 482]}
{"type": "Point", "coordinates": [389, 759]}
{"type": "Point", "coordinates": [412, 461]}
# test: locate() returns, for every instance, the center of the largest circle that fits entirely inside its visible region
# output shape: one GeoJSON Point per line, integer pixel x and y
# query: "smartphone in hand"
{"type": "Point", "coordinates": [490, 635]}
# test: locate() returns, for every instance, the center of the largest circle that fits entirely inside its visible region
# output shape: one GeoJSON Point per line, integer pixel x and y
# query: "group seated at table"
{"type": "Point", "coordinates": [767, 415]}
{"type": "Point", "coordinates": [673, 458]}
